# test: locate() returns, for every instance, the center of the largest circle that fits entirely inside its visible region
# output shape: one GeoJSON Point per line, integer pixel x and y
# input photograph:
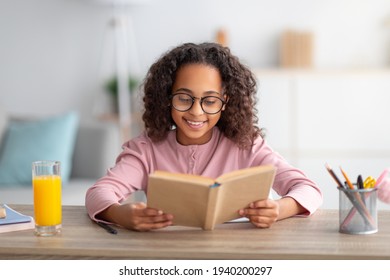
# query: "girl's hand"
{"type": "Point", "coordinates": [137, 216]}
{"type": "Point", "coordinates": [261, 213]}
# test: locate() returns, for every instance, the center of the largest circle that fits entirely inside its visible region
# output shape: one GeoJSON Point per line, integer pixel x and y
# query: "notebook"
{"type": "Point", "coordinates": [15, 221]}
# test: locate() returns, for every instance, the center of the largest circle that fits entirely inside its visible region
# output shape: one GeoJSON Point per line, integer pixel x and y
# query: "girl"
{"type": "Point", "coordinates": [200, 118]}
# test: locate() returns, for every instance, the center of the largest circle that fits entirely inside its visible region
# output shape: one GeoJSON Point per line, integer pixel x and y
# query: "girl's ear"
{"type": "Point", "coordinates": [226, 98]}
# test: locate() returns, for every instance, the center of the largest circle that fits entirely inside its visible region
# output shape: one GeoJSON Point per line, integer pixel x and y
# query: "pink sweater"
{"type": "Point", "coordinates": [141, 156]}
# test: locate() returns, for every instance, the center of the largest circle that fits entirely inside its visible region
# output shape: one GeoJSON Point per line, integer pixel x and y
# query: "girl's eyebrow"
{"type": "Point", "coordinates": [208, 92]}
{"type": "Point", "coordinates": [184, 89]}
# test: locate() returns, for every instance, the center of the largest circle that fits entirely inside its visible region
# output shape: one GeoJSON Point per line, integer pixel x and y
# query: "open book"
{"type": "Point", "coordinates": [204, 202]}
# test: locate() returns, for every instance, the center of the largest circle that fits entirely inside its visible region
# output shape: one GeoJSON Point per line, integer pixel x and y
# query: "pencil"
{"type": "Point", "coordinates": [331, 172]}
{"type": "Point", "coordinates": [107, 228]}
{"type": "Point", "coordinates": [347, 179]}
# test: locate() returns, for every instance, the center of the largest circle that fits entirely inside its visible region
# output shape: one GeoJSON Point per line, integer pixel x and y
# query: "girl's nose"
{"type": "Point", "coordinates": [196, 108]}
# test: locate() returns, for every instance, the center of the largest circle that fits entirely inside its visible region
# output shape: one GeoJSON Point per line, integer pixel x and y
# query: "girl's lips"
{"type": "Point", "coordinates": [195, 124]}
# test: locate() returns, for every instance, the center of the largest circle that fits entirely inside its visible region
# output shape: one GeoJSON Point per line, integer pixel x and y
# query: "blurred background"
{"type": "Point", "coordinates": [322, 67]}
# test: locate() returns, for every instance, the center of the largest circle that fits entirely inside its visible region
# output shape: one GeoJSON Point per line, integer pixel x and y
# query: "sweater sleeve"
{"type": "Point", "coordinates": [289, 181]}
{"type": "Point", "coordinates": [127, 175]}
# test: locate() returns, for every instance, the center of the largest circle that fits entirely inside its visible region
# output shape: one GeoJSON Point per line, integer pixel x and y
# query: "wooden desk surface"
{"type": "Point", "coordinates": [316, 237]}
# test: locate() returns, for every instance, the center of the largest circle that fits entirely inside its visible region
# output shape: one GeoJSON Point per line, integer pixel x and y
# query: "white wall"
{"type": "Point", "coordinates": [335, 117]}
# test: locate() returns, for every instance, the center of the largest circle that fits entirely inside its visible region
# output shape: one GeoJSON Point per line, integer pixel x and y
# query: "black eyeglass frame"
{"type": "Point", "coordinates": [200, 101]}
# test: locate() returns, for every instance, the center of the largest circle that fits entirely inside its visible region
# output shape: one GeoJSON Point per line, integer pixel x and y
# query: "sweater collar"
{"type": "Point", "coordinates": [212, 143]}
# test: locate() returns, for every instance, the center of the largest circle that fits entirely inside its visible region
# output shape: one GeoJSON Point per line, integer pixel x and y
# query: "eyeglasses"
{"type": "Point", "coordinates": [209, 104]}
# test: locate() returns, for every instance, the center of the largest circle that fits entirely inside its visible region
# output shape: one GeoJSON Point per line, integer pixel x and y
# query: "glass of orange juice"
{"type": "Point", "coordinates": [46, 181]}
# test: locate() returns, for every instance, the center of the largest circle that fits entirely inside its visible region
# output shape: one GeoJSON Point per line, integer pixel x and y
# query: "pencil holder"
{"type": "Point", "coordinates": [358, 212]}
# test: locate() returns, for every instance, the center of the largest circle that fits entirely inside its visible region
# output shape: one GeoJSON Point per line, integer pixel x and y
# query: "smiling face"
{"type": "Point", "coordinates": [194, 127]}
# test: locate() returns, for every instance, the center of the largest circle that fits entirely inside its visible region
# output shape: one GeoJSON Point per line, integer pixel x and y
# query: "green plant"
{"type": "Point", "coordinates": [112, 86]}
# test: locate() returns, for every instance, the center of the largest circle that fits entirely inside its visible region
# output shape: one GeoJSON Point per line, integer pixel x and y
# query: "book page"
{"type": "Point", "coordinates": [186, 200]}
{"type": "Point", "coordinates": [236, 193]}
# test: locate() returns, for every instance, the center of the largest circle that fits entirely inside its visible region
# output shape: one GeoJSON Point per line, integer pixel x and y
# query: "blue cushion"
{"type": "Point", "coordinates": [27, 141]}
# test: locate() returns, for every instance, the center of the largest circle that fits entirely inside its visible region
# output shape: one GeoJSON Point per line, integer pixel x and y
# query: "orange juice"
{"type": "Point", "coordinates": [47, 200]}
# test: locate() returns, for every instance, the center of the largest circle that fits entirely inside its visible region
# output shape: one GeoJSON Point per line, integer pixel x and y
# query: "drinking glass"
{"type": "Point", "coordinates": [46, 181]}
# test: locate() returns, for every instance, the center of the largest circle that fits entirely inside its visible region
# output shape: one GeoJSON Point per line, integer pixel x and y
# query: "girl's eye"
{"type": "Point", "coordinates": [184, 99]}
{"type": "Point", "coordinates": [209, 102]}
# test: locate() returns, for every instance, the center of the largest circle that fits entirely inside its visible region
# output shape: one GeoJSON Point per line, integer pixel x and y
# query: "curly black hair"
{"type": "Point", "coordinates": [238, 121]}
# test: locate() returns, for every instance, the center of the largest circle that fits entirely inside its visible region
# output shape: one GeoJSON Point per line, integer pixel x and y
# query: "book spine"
{"type": "Point", "coordinates": [212, 207]}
